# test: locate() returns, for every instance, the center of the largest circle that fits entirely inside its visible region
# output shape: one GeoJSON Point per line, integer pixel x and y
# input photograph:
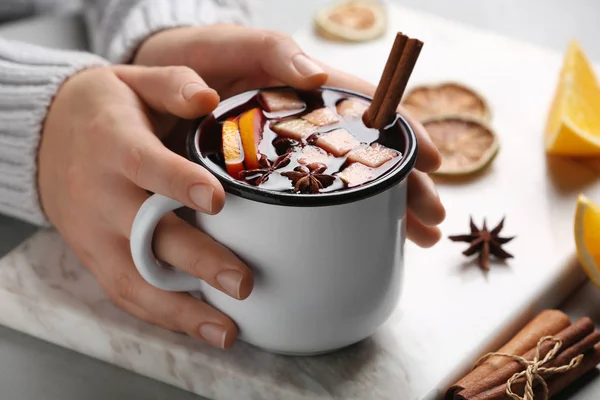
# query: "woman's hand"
{"type": "Point", "coordinates": [101, 152]}
{"type": "Point", "coordinates": [234, 59]}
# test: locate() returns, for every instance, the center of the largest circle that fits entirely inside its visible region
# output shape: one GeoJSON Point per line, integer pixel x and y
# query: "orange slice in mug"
{"type": "Point", "coordinates": [232, 148]}
{"type": "Point", "coordinates": [251, 129]}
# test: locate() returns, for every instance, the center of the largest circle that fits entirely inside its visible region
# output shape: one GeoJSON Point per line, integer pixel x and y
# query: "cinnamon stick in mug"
{"type": "Point", "coordinates": [568, 336]}
{"type": "Point", "coordinates": [546, 323]}
{"type": "Point", "coordinates": [563, 358]}
{"type": "Point", "coordinates": [395, 77]}
{"type": "Point", "coordinates": [386, 78]}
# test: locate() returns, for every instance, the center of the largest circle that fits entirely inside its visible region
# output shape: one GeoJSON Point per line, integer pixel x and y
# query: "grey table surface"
{"type": "Point", "coordinates": [32, 369]}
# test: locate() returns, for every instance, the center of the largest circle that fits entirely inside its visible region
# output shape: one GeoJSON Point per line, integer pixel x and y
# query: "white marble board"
{"type": "Point", "coordinates": [450, 311]}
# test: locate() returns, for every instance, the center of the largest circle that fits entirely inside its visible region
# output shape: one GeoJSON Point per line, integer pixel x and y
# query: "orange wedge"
{"type": "Point", "coordinates": [587, 237]}
{"type": "Point", "coordinates": [251, 129]}
{"type": "Point", "coordinates": [573, 124]}
{"type": "Point", "coordinates": [232, 148]}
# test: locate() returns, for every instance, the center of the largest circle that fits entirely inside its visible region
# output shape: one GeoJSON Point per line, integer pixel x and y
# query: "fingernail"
{"type": "Point", "coordinates": [305, 66]}
{"type": "Point", "coordinates": [202, 197]}
{"type": "Point", "coordinates": [191, 89]}
{"type": "Point", "coordinates": [231, 281]}
{"type": "Point", "coordinates": [214, 334]}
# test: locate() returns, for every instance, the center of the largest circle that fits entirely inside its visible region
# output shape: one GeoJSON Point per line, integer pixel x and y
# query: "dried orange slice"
{"type": "Point", "coordinates": [352, 20]}
{"type": "Point", "coordinates": [467, 144]}
{"type": "Point", "coordinates": [428, 101]}
{"type": "Point", "coordinates": [587, 237]}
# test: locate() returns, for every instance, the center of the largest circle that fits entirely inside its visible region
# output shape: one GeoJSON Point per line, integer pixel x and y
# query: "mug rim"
{"type": "Point", "coordinates": [232, 186]}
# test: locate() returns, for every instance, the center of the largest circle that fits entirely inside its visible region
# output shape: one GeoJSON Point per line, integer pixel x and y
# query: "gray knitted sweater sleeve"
{"type": "Point", "coordinates": [30, 76]}
{"type": "Point", "coordinates": [117, 27]}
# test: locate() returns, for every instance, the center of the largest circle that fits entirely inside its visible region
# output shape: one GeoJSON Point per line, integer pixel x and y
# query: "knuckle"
{"type": "Point", "coordinates": [123, 288]}
{"type": "Point", "coordinates": [176, 317]}
{"type": "Point", "coordinates": [134, 161]}
{"type": "Point", "coordinates": [174, 186]}
{"type": "Point", "coordinates": [178, 71]}
{"type": "Point", "coordinates": [179, 181]}
{"type": "Point", "coordinates": [274, 38]}
{"type": "Point", "coordinates": [104, 121]}
{"type": "Point", "coordinates": [196, 264]}
{"type": "Point", "coordinates": [117, 301]}
{"type": "Point", "coordinates": [99, 121]}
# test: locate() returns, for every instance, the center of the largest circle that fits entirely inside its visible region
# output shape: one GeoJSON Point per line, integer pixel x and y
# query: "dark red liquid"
{"type": "Point", "coordinates": [210, 138]}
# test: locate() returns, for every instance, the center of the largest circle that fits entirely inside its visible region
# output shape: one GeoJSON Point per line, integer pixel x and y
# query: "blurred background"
{"type": "Point", "coordinates": [549, 23]}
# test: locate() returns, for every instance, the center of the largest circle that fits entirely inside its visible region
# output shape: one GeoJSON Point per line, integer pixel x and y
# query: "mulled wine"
{"type": "Point", "coordinates": [305, 142]}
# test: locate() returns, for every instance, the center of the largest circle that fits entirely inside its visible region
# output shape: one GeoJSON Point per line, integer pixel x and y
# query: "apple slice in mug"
{"type": "Point", "coordinates": [296, 129]}
{"type": "Point", "coordinates": [356, 174]}
{"type": "Point", "coordinates": [321, 117]}
{"type": "Point", "coordinates": [233, 151]}
{"type": "Point", "coordinates": [373, 156]}
{"type": "Point", "coordinates": [280, 100]}
{"type": "Point", "coordinates": [252, 123]}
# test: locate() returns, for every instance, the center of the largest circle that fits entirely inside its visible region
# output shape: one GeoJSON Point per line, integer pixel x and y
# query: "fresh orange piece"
{"type": "Point", "coordinates": [252, 123]}
{"type": "Point", "coordinates": [232, 148]}
{"type": "Point", "coordinates": [573, 125]}
{"type": "Point", "coordinates": [587, 237]}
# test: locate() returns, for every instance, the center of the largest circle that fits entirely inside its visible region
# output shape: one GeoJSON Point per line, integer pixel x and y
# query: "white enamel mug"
{"type": "Point", "coordinates": [327, 267]}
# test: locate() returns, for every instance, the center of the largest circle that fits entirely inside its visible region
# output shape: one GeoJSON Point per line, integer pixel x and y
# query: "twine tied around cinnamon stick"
{"type": "Point", "coordinates": [534, 369]}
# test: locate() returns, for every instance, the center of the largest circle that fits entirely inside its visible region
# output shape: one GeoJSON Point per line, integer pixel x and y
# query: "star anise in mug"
{"type": "Point", "coordinates": [309, 178]}
{"type": "Point", "coordinates": [284, 145]}
{"type": "Point", "coordinates": [261, 175]}
{"type": "Point", "coordinates": [485, 242]}
{"type": "Point", "coordinates": [312, 139]}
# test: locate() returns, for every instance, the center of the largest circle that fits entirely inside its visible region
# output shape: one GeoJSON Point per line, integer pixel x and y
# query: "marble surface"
{"type": "Point", "coordinates": [46, 293]}
{"type": "Point", "coordinates": [438, 329]}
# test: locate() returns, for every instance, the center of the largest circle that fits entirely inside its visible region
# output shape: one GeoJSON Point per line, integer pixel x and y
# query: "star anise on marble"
{"type": "Point", "coordinates": [261, 175]}
{"type": "Point", "coordinates": [485, 242]}
{"type": "Point", "coordinates": [309, 178]}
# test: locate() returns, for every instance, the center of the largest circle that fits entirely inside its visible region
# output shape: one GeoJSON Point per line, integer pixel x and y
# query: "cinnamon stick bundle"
{"type": "Point", "coordinates": [546, 323]}
{"type": "Point", "coordinates": [563, 358]}
{"type": "Point", "coordinates": [589, 362]}
{"type": "Point", "coordinates": [555, 384]}
{"type": "Point", "coordinates": [395, 77]}
{"type": "Point", "coordinates": [568, 337]}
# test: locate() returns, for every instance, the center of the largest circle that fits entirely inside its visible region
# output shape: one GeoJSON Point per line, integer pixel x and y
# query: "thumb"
{"type": "Point", "coordinates": [179, 91]}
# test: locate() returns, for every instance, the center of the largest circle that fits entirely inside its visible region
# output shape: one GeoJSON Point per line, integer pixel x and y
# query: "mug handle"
{"type": "Point", "coordinates": [140, 244]}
